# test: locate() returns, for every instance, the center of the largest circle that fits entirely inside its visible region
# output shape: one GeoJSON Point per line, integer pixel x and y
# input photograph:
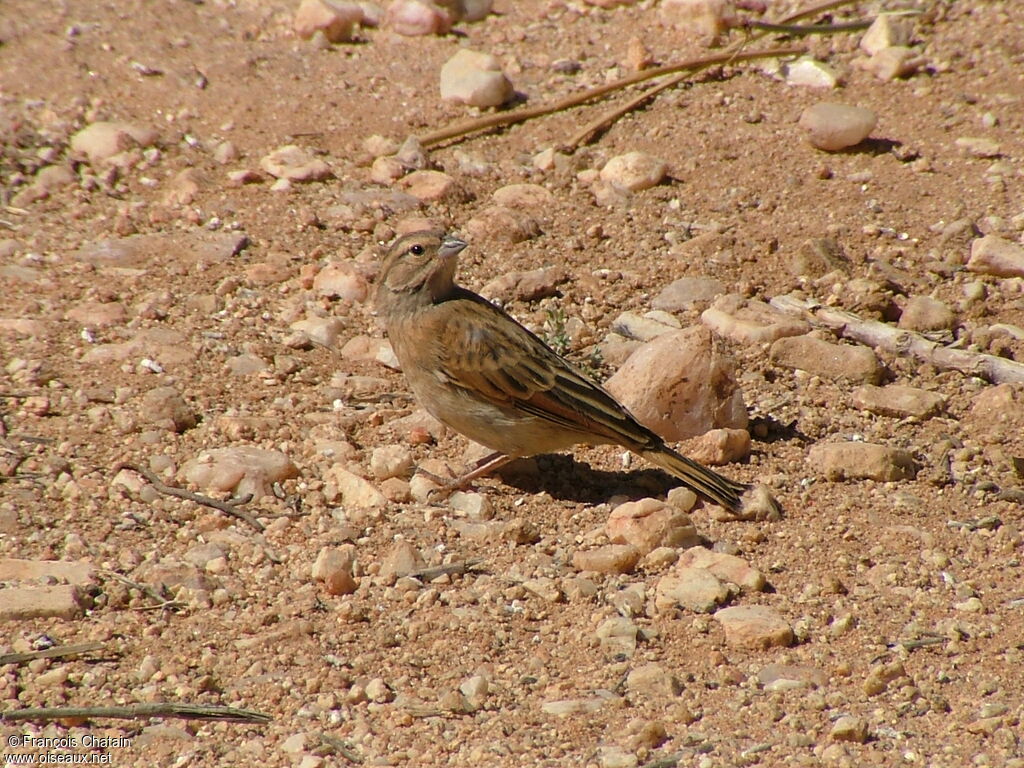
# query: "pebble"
{"type": "Point", "coordinates": [545, 588]}
{"type": "Point", "coordinates": [650, 523]}
{"type": "Point", "coordinates": [822, 358]}
{"type": "Point", "coordinates": [999, 409]}
{"type": "Point", "coordinates": [566, 707]}
{"type": "Point", "coordinates": [618, 635]}
{"type": "Point", "coordinates": [719, 446]}
{"type": "Point", "coordinates": [529, 196]}
{"type": "Point", "coordinates": [679, 386]}
{"type": "Point", "coordinates": [978, 146]}
{"type": "Point", "coordinates": [756, 627]}
{"type": "Point", "coordinates": [687, 292]}
{"type": "Point", "coordinates": [351, 490]}
{"type": "Point", "coordinates": [788, 676]}
{"type": "Point", "coordinates": [341, 280]}
{"type": "Point", "coordinates": [475, 506]}
{"type": "Point", "coordinates": [612, 558]}
{"type": "Point", "coordinates": [809, 72]}
{"type": "Point", "coordinates": [923, 313]}
{"type": "Point", "coordinates": [893, 62]}
{"type": "Point", "coordinates": [92, 314]}
{"type": "Point", "coordinates": [413, 18]}
{"type": "Point", "coordinates": [994, 255]}
{"type": "Point", "coordinates": [503, 224]}
{"type": "Point", "coordinates": [695, 589]}
{"type": "Point", "coordinates": [898, 401]}
{"type": "Point", "coordinates": [832, 126]}
{"type": "Point", "coordinates": [164, 407]}
{"type": "Point", "coordinates": [612, 756]}
{"type": "Point", "coordinates": [335, 20]}
{"type": "Point", "coordinates": [431, 186]}
{"type": "Point", "coordinates": [240, 470]}
{"type": "Point", "coordinates": [324, 331]}
{"type": "Point", "coordinates": [295, 164]}
{"type": "Point", "coordinates": [102, 140]}
{"type": "Point", "coordinates": [634, 171]}
{"type": "Point", "coordinates": [388, 461]}
{"type": "Point", "coordinates": [402, 559]}
{"type": "Point", "coordinates": [849, 728]}
{"type": "Point", "coordinates": [386, 170]}
{"type": "Point", "coordinates": [729, 568]}
{"type": "Point", "coordinates": [880, 676]}
{"type": "Point", "coordinates": [474, 79]}
{"type": "Point", "coordinates": [750, 321]}
{"type": "Point", "coordinates": [629, 601]}
{"type": "Point", "coordinates": [886, 31]}
{"type": "Point", "coordinates": [475, 689]}
{"type": "Point", "coordinates": [530, 286]}
{"type": "Point", "coordinates": [653, 681]}
{"type": "Point", "coordinates": [47, 180]}
{"type": "Point", "coordinates": [705, 19]}
{"type": "Point", "coordinates": [379, 691]}
{"type": "Point", "coordinates": [646, 327]}
{"type": "Point", "coordinates": [334, 567]}
{"type": "Point", "coordinates": [64, 601]}
{"type": "Point", "coordinates": [855, 461]}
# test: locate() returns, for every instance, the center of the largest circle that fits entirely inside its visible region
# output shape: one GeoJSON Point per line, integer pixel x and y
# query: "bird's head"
{"type": "Point", "coordinates": [420, 265]}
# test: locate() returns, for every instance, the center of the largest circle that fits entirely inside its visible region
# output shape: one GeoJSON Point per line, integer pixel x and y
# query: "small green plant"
{"type": "Point", "coordinates": [555, 335]}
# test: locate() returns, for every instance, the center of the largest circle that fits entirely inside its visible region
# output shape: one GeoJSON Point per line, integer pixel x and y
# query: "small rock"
{"type": "Point", "coordinates": [320, 330]}
{"type": "Point", "coordinates": [545, 588]}
{"type": "Point", "coordinates": [706, 19]}
{"type": "Point", "coordinates": [474, 79]}
{"type": "Point", "coordinates": [529, 286]}
{"type": "Point", "coordinates": [977, 146]}
{"type": "Point", "coordinates": [629, 601]}
{"type": "Point", "coordinates": [643, 328]}
{"type": "Point", "coordinates": [687, 292]}
{"type": "Point", "coordinates": [346, 488]}
{"type": "Point", "coordinates": [787, 676]}
{"type": "Point", "coordinates": [653, 681]}
{"type": "Point", "coordinates": [728, 568]}
{"type": "Point", "coordinates": [57, 602]}
{"type": "Point", "coordinates": [430, 186]}
{"type": "Point", "coordinates": [809, 72]}
{"type": "Point", "coordinates": [78, 573]}
{"type": "Point", "coordinates": [650, 523]}
{"type": "Point", "coordinates": [817, 257]}
{"type": "Point", "coordinates": [335, 20]}
{"type": "Point", "coordinates": [749, 321]}
{"type": "Point", "coordinates": [849, 728]}
{"type": "Point", "coordinates": [692, 588]}
{"type": "Point", "coordinates": [898, 401]}
{"type": "Point", "coordinates": [378, 691]}
{"type": "Point", "coordinates": [566, 707]}
{"type": "Point", "coordinates": [887, 30]}
{"type": "Point", "coordinates": [502, 224]}
{"type": "Point", "coordinates": [1000, 409]}
{"type": "Point", "coordinates": [618, 636]}
{"type": "Point", "coordinates": [402, 559]}
{"type": "Point", "coordinates": [992, 255]}
{"type": "Point", "coordinates": [679, 386]}
{"type": "Point", "coordinates": [613, 558]}
{"type": "Point", "coordinates": [531, 197]}
{"type": "Point", "coordinates": [475, 506]}
{"type": "Point", "coordinates": [832, 127]}
{"type": "Point", "coordinates": [334, 566]}
{"type": "Point", "coordinates": [756, 627]}
{"type": "Point", "coordinates": [854, 461]}
{"type": "Point", "coordinates": [634, 171]}
{"type": "Point", "coordinates": [881, 675]}
{"type": "Point", "coordinates": [386, 170]}
{"type": "Point", "coordinates": [184, 187]}
{"type": "Point", "coordinates": [821, 358]}
{"type": "Point", "coordinates": [388, 461]}
{"type": "Point", "coordinates": [417, 17]}
{"type": "Point", "coordinates": [241, 470]}
{"type": "Point", "coordinates": [295, 164]}
{"type": "Point", "coordinates": [166, 408]}
{"type": "Point", "coordinates": [719, 446]}
{"type": "Point", "coordinates": [474, 688]}
{"type": "Point", "coordinates": [923, 313]}
{"type": "Point", "coordinates": [103, 140]}
{"type": "Point", "coordinates": [341, 280]}
{"type": "Point", "coordinates": [893, 62]}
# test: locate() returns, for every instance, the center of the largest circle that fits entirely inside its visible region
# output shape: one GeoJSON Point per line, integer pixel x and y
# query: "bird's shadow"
{"type": "Point", "coordinates": [567, 479]}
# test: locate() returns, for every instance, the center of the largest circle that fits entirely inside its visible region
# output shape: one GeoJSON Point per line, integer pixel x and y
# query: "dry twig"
{"type": "Point", "coordinates": [873, 333]}
{"type": "Point", "coordinates": [431, 573]}
{"type": "Point", "coordinates": [56, 652]}
{"type": "Point", "coordinates": [140, 711]}
{"type": "Point", "coordinates": [227, 508]}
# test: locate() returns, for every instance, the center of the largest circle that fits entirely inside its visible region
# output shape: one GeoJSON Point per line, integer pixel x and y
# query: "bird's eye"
{"type": "Point", "coordinates": [416, 250]}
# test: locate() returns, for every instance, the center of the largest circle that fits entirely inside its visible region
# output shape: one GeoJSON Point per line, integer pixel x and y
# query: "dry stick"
{"type": "Point", "coordinates": [198, 498]}
{"type": "Point", "coordinates": [161, 601]}
{"type": "Point", "coordinates": [431, 573]}
{"type": "Point", "coordinates": [998, 370]}
{"type": "Point", "coordinates": [511, 118]}
{"type": "Point", "coordinates": [55, 652]}
{"type": "Point", "coordinates": [139, 711]}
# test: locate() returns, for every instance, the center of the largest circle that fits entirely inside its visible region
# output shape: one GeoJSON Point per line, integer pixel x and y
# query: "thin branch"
{"type": "Point", "coordinates": [433, 572]}
{"type": "Point", "coordinates": [141, 711]}
{"type": "Point", "coordinates": [502, 119]}
{"type": "Point", "coordinates": [873, 333]}
{"type": "Point", "coordinates": [171, 490]}
{"type": "Point", "coordinates": [161, 600]}
{"type": "Point", "coordinates": [56, 652]}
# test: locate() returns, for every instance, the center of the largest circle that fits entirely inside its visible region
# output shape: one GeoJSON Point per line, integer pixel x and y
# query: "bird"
{"type": "Point", "coordinates": [477, 370]}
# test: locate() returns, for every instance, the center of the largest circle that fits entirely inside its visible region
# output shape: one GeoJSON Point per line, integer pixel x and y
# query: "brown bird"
{"type": "Point", "coordinates": [481, 373]}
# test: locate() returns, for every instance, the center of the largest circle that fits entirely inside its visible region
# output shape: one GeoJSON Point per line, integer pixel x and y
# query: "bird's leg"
{"type": "Point", "coordinates": [480, 467]}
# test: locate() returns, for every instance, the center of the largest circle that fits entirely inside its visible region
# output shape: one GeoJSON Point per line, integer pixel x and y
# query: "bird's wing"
{"type": "Point", "coordinates": [483, 349]}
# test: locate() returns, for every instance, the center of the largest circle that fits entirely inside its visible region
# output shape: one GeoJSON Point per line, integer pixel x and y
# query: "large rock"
{"type": "Point", "coordinates": [992, 255]}
{"type": "Point", "coordinates": [679, 386]}
{"type": "Point", "coordinates": [755, 627]}
{"type": "Point", "coordinates": [475, 79]}
{"type": "Point", "coordinates": [650, 523]}
{"type": "Point", "coordinates": [869, 461]}
{"type": "Point", "coordinates": [822, 358]}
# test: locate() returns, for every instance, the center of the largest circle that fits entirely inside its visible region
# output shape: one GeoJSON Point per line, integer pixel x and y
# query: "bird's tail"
{"type": "Point", "coordinates": [699, 478]}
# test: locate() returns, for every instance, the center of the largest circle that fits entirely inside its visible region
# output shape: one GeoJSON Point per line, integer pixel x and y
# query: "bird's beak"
{"type": "Point", "coordinates": [451, 246]}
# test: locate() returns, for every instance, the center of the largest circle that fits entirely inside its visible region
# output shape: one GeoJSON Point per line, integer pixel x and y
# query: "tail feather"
{"type": "Point", "coordinates": [699, 478]}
